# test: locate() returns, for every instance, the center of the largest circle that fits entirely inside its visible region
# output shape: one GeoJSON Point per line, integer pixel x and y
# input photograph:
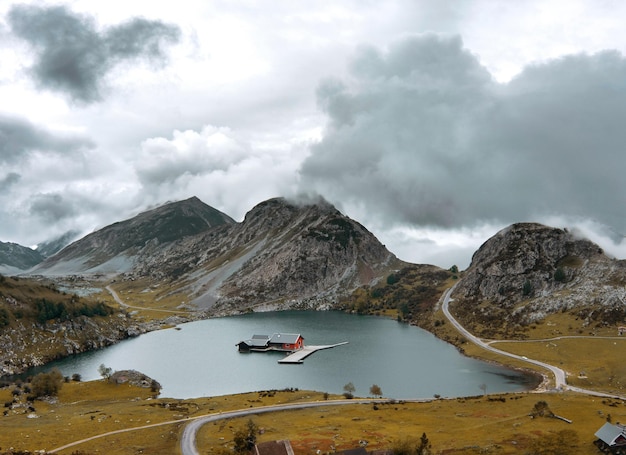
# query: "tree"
{"type": "Point", "coordinates": [559, 275]}
{"type": "Point", "coordinates": [105, 371]}
{"type": "Point", "coordinates": [527, 289]}
{"type": "Point", "coordinates": [424, 446]}
{"type": "Point", "coordinates": [245, 438]}
{"type": "Point", "coordinates": [409, 446]}
{"type": "Point", "coordinates": [376, 390]}
{"type": "Point", "coordinates": [349, 390]}
{"type": "Point", "coordinates": [46, 384]}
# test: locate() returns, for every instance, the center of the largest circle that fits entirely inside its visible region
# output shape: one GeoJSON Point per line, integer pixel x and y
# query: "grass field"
{"type": "Point", "coordinates": [492, 424]}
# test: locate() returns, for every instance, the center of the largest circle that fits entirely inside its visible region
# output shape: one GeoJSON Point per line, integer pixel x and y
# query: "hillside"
{"type": "Point", "coordinates": [15, 258]}
{"type": "Point", "coordinates": [528, 272]}
{"type": "Point", "coordinates": [39, 323]}
{"type": "Point", "coordinates": [115, 248]}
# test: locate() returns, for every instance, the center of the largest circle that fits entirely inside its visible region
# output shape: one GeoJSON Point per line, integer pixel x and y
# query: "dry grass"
{"type": "Point", "coordinates": [493, 424]}
{"type": "Point", "coordinates": [594, 363]}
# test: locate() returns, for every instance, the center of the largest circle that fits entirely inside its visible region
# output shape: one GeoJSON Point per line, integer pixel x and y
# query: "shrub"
{"type": "Point", "coordinates": [245, 438]}
{"type": "Point", "coordinates": [47, 384]}
{"type": "Point", "coordinates": [559, 275]}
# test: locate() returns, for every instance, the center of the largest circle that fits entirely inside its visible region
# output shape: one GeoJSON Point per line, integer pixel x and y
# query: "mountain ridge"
{"type": "Point", "coordinates": [285, 252]}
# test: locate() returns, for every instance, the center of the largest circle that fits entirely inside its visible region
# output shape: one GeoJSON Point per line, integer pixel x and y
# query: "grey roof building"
{"type": "Point", "coordinates": [611, 437]}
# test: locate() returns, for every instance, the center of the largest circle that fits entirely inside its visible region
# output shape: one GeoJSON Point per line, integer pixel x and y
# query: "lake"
{"type": "Point", "coordinates": [201, 358]}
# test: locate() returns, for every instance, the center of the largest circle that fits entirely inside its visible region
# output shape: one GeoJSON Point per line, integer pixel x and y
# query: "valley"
{"type": "Point", "coordinates": [531, 294]}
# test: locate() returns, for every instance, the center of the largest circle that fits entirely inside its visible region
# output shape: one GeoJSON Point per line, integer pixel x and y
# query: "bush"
{"type": "Point", "coordinates": [559, 275]}
{"type": "Point", "coordinates": [47, 384]}
{"type": "Point", "coordinates": [245, 438]}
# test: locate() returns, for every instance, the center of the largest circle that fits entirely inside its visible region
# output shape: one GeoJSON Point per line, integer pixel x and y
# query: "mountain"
{"type": "Point", "coordinates": [115, 248]}
{"type": "Point", "coordinates": [53, 246]}
{"type": "Point", "coordinates": [16, 258]}
{"type": "Point", "coordinates": [528, 271]}
{"type": "Point", "coordinates": [282, 254]}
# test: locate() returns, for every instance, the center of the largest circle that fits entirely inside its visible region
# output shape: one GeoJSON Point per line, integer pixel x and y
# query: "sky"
{"type": "Point", "coordinates": [434, 124]}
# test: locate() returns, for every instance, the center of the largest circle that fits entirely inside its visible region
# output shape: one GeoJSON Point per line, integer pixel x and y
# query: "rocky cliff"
{"type": "Point", "coordinates": [27, 343]}
{"type": "Point", "coordinates": [528, 271]}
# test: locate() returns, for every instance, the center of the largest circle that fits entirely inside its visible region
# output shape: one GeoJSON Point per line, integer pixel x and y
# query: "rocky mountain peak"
{"type": "Point", "coordinates": [529, 270]}
{"type": "Point", "coordinates": [524, 248]}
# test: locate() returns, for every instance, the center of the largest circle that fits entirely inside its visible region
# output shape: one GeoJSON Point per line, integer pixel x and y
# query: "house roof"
{"type": "Point", "coordinates": [611, 434]}
{"type": "Point", "coordinates": [257, 341]}
{"type": "Point", "coordinates": [285, 338]}
{"type": "Point", "coordinates": [282, 447]}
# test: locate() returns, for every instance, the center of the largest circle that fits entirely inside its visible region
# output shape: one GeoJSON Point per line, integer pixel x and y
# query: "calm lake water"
{"type": "Point", "coordinates": [201, 359]}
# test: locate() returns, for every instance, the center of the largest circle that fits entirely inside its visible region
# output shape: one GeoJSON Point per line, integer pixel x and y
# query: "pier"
{"type": "Point", "coordinates": [301, 354]}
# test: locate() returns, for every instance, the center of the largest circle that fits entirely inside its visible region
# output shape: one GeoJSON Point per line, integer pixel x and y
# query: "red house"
{"type": "Point", "coordinates": [287, 341]}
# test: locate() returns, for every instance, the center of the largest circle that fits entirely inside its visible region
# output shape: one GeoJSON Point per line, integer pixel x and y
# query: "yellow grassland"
{"type": "Point", "coordinates": [485, 424]}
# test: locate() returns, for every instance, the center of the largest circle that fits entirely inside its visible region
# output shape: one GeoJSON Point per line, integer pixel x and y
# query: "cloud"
{"type": "Point", "coordinates": [51, 207]}
{"type": "Point", "coordinates": [226, 169]}
{"type": "Point", "coordinates": [73, 57]}
{"type": "Point", "coordinates": [19, 138]}
{"type": "Point", "coordinates": [189, 153]}
{"type": "Point", "coordinates": [420, 134]}
{"type": "Point", "coordinates": [9, 180]}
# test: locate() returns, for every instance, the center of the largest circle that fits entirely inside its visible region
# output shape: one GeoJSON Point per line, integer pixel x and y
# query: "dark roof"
{"type": "Point", "coordinates": [356, 451]}
{"type": "Point", "coordinates": [288, 338]}
{"type": "Point", "coordinates": [612, 434]}
{"type": "Point", "coordinates": [282, 447]}
{"type": "Point", "coordinates": [257, 341]}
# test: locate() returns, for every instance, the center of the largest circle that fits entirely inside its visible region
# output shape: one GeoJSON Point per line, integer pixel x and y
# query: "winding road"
{"type": "Point", "coordinates": [560, 378]}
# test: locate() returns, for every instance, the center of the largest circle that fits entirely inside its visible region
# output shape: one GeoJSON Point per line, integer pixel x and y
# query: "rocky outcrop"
{"type": "Point", "coordinates": [528, 271]}
{"type": "Point", "coordinates": [29, 344]}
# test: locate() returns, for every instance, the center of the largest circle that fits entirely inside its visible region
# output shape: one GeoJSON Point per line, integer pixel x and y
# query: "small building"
{"type": "Point", "coordinates": [611, 438]}
{"type": "Point", "coordinates": [282, 447]}
{"type": "Point", "coordinates": [284, 342]}
{"type": "Point", "coordinates": [621, 330]}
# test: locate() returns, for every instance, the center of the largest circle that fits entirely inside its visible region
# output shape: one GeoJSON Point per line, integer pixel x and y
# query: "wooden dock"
{"type": "Point", "coordinates": [301, 354]}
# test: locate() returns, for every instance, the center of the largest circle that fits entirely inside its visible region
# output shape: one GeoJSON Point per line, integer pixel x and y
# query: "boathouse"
{"type": "Point", "coordinates": [611, 438]}
{"type": "Point", "coordinates": [286, 342]}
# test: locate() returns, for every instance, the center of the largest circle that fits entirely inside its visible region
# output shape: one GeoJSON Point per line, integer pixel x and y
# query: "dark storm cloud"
{"type": "Point", "coordinates": [51, 207]}
{"type": "Point", "coordinates": [422, 134]}
{"type": "Point", "coordinates": [72, 56]}
{"type": "Point", "coordinates": [9, 180]}
{"type": "Point", "coordinates": [19, 137]}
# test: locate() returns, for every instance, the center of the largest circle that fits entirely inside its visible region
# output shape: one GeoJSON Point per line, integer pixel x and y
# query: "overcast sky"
{"type": "Point", "coordinates": [433, 123]}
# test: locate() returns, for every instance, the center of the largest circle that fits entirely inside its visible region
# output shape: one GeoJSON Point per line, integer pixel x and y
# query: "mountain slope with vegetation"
{"type": "Point", "coordinates": [39, 323]}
